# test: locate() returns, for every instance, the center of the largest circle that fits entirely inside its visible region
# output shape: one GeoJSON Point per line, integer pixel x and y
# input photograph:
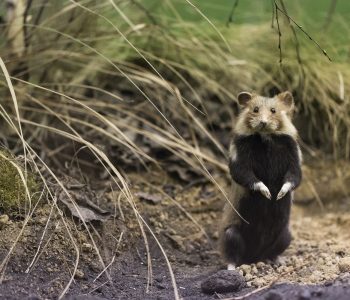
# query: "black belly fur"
{"type": "Point", "coordinates": [267, 234]}
{"type": "Point", "coordinates": [268, 222]}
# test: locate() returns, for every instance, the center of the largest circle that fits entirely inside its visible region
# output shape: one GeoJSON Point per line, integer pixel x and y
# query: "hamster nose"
{"type": "Point", "coordinates": [263, 124]}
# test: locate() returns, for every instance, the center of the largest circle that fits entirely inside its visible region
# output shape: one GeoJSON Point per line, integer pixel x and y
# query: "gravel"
{"type": "Point", "coordinates": [319, 252]}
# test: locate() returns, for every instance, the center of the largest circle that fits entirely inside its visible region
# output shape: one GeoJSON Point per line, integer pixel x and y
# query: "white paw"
{"type": "Point", "coordinates": [231, 267]}
{"type": "Point", "coordinates": [263, 189]}
{"type": "Point", "coordinates": [284, 190]}
{"type": "Point", "coordinates": [275, 261]}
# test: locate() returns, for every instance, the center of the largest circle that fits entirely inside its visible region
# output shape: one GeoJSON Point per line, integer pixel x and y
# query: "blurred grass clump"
{"type": "Point", "coordinates": [110, 72]}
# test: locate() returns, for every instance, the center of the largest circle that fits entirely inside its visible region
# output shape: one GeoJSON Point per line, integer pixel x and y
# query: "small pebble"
{"type": "Point", "coordinates": [248, 277]}
{"type": "Point", "coordinates": [79, 274]}
{"type": "Point", "coordinates": [344, 264]}
{"type": "Point", "coordinates": [258, 282]}
{"type": "Point", "coordinates": [254, 270]}
{"type": "Point", "coordinates": [4, 219]}
{"type": "Point", "coordinates": [260, 265]}
{"type": "Point", "coordinates": [87, 247]}
{"type": "Point", "coordinates": [246, 269]}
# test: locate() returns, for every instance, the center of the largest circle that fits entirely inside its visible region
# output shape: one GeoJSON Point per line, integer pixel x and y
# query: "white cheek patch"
{"type": "Point", "coordinates": [300, 155]}
{"type": "Point", "coordinates": [233, 152]}
{"type": "Point", "coordinates": [287, 125]}
{"type": "Point", "coordinates": [273, 125]}
{"type": "Point", "coordinates": [241, 127]}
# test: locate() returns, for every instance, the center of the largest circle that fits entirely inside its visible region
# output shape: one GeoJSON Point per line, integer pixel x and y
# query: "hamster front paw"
{"type": "Point", "coordinates": [263, 189]}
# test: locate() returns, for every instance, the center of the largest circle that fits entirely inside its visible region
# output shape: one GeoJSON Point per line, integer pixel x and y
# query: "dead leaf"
{"type": "Point", "coordinates": [80, 205]}
{"type": "Point", "coordinates": [149, 198]}
{"type": "Point", "coordinates": [86, 212]}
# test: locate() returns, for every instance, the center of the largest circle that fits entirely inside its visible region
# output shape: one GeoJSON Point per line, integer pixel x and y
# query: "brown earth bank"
{"type": "Point", "coordinates": [185, 220]}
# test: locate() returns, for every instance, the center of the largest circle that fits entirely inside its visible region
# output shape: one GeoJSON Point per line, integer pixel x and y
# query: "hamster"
{"type": "Point", "coordinates": [265, 166]}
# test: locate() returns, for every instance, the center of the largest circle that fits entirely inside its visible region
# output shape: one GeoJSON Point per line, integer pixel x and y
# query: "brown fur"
{"type": "Point", "coordinates": [278, 122]}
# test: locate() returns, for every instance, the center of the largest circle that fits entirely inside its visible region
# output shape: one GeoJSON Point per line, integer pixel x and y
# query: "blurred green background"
{"type": "Point", "coordinates": [254, 11]}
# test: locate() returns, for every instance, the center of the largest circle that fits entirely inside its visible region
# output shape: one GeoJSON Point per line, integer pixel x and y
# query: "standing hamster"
{"type": "Point", "coordinates": [265, 165]}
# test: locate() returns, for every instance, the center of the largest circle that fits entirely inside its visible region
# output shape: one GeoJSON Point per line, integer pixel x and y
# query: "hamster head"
{"type": "Point", "coordinates": [265, 115]}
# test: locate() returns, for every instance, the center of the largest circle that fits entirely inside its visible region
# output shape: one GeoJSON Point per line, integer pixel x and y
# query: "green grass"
{"type": "Point", "coordinates": [253, 12]}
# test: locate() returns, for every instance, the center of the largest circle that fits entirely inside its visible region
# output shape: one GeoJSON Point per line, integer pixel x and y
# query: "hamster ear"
{"type": "Point", "coordinates": [287, 99]}
{"type": "Point", "coordinates": [244, 98]}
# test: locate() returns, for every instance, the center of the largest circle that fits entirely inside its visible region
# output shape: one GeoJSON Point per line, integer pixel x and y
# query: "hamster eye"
{"type": "Point", "coordinates": [273, 110]}
{"type": "Point", "coordinates": [256, 109]}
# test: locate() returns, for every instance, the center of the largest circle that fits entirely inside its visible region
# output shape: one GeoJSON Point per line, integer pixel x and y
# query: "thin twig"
{"type": "Point", "coordinates": [273, 15]}
{"type": "Point", "coordinates": [279, 32]}
{"type": "Point", "coordinates": [145, 11]}
{"type": "Point", "coordinates": [230, 17]}
{"type": "Point", "coordinates": [330, 14]}
{"type": "Point", "coordinates": [296, 40]}
{"type": "Point", "coordinates": [297, 45]}
{"type": "Point", "coordinates": [302, 29]}
{"type": "Point", "coordinates": [25, 29]}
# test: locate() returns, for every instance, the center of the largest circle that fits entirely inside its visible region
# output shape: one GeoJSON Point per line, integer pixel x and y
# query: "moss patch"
{"type": "Point", "coordinates": [13, 194]}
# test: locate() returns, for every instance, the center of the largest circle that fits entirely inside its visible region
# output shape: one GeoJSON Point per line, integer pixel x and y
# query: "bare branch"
{"type": "Point", "coordinates": [273, 14]}
{"type": "Point", "coordinates": [296, 42]}
{"type": "Point", "coordinates": [230, 17]}
{"type": "Point", "coordinates": [25, 29]}
{"type": "Point", "coordinates": [302, 29]}
{"type": "Point", "coordinates": [279, 32]}
{"type": "Point", "coordinates": [330, 14]}
{"type": "Point", "coordinates": [145, 11]}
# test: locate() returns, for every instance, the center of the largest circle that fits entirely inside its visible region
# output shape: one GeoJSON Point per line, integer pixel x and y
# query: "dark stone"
{"type": "Point", "coordinates": [84, 297]}
{"type": "Point", "coordinates": [274, 295]}
{"type": "Point", "coordinates": [160, 286]}
{"type": "Point", "coordinates": [318, 292]}
{"type": "Point", "coordinates": [328, 283]}
{"type": "Point", "coordinates": [33, 297]}
{"type": "Point", "coordinates": [305, 295]}
{"type": "Point", "coordinates": [224, 281]}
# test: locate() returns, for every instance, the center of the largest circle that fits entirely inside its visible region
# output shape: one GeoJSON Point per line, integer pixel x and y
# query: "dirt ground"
{"type": "Point", "coordinates": [185, 219]}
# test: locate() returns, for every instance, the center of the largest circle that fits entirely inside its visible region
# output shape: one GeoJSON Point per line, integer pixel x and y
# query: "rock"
{"type": "Point", "coordinates": [273, 295]}
{"type": "Point", "coordinates": [259, 282]}
{"type": "Point", "coordinates": [304, 295]}
{"type": "Point", "coordinates": [33, 297]}
{"type": "Point", "coordinates": [248, 277]}
{"type": "Point", "coordinates": [224, 281]}
{"type": "Point", "coordinates": [317, 293]}
{"type": "Point", "coordinates": [245, 268]}
{"type": "Point", "coordinates": [86, 247]}
{"type": "Point", "coordinates": [4, 219]}
{"type": "Point", "coordinates": [260, 265]}
{"type": "Point", "coordinates": [84, 297]}
{"type": "Point", "coordinates": [254, 270]}
{"type": "Point", "coordinates": [79, 274]}
{"type": "Point", "coordinates": [320, 261]}
{"type": "Point", "coordinates": [344, 264]}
